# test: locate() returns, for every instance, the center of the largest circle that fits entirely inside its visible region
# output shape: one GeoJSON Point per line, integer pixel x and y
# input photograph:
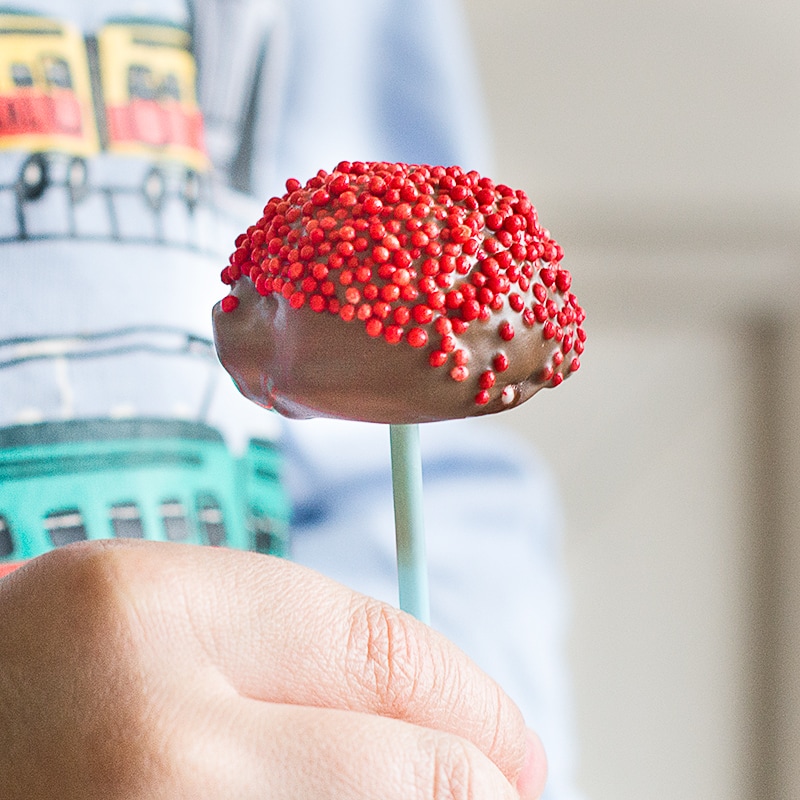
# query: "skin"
{"type": "Point", "coordinates": [153, 670]}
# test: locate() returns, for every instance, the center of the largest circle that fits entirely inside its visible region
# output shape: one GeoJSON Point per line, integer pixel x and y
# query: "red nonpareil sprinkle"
{"type": "Point", "coordinates": [417, 337]}
{"type": "Point", "coordinates": [461, 357]}
{"type": "Point", "coordinates": [229, 303]}
{"type": "Point", "coordinates": [447, 343]}
{"type": "Point", "coordinates": [422, 314]}
{"type": "Point", "coordinates": [500, 362]}
{"type": "Point", "coordinates": [393, 334]}
{"type": "Point", "coordinates": [437, 358]}
{"type": "Point", "coordinates": [487, 379]}
{"type": "Point", "coordinates": [416, 255]}
{"type": "Point", "coordinates": [297, 299]}
{"type": "Point", "coordinates": [374, 327]}
{"type": "Point", "coordinates": [470, 310]}
{"type": "Point", "coordinates": [443, 326]}
{"type": "Point", "coordinates": [506, 331]}
{"type": "Point", "coordinates": [563, 280]}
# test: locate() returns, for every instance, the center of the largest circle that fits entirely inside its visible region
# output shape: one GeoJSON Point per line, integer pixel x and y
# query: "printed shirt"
{"type": "Point", "coordinates": [137, 139]}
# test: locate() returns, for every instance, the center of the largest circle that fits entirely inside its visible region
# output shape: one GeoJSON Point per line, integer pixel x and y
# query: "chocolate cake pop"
{"type": "Point", "coordinates": [397, 293]}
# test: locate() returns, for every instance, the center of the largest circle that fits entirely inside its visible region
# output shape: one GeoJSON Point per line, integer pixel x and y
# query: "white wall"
{"type": "Point", "coordinates": [660, 142]}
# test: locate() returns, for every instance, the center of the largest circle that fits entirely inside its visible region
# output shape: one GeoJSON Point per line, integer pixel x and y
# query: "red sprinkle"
{"type": "Point", "coordinates": [393, 334]}
{"type": "Point", "coordinates": [374, 327]}
{"type": "Point", "coordinates": [486, 380]}
{"type": "Point", "coordinates": [506, 331]}
{"type": "Point", "coordinates": [500, 362]}
{"type": "Point", "coordinates": [229, 303]}
{"type": "Point", "coordinates": [437, 358]}
{"type": "Point", "coordinates": [417, 337]}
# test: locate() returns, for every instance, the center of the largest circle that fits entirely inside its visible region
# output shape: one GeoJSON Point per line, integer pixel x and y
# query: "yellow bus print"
{"type": "Point", "coordinates": [148, 88]}
{"type": "Point", "coordinates": [45, 89]}
{"type": "Point", "coordinates": [129, 91]}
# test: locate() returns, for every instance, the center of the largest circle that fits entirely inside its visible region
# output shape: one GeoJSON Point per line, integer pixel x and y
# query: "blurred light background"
{"type": "Point", "coordinates": [660, 142]}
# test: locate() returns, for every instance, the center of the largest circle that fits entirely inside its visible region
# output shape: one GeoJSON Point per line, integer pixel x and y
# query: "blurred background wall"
{"type": "Point", "coordinates": [660, 142]}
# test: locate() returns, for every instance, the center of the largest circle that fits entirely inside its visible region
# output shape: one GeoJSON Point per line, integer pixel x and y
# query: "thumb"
{"type": "Point", "coordinates": [533, 776]}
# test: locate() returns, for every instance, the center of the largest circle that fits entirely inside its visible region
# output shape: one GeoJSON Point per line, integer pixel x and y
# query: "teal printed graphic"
{"type": "Point", "coordinates": [167, 480]}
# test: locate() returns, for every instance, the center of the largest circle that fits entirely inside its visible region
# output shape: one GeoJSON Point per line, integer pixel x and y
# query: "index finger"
{"type": "Point", "coordinates": [280, 632]}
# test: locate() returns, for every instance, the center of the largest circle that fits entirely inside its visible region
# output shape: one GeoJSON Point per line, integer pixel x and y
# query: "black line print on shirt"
{"type": "Point", "coordinates": [59, 350]}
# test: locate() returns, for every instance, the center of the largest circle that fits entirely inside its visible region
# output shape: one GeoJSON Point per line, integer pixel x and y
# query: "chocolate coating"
{"type": "Point", "coordinates": [295, 332]}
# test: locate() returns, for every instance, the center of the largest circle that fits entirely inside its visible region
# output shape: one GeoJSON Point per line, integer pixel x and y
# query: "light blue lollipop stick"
{"type": "Point", "coordinates": [412, 568]}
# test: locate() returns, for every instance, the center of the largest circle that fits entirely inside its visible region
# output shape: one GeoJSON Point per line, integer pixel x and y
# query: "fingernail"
{"type": "Point", "coordinates": [531, 781]}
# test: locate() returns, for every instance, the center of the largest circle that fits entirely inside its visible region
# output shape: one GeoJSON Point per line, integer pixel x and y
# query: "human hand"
{"type": "Point", "coordinates": [152, 670]}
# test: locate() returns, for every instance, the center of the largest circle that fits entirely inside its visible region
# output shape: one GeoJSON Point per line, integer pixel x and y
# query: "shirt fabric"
{"type": "Point", "coordinates": [109, 267]}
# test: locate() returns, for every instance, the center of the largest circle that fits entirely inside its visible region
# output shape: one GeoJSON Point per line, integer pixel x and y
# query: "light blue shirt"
{"type": "Point", "coordinates": [106, 291]}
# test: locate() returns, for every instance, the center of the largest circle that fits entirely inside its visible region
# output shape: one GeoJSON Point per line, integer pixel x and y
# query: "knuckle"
{"type": "Point", "coordinates": [96, 606]}
{"type": "Point", "coordinates": [383, 656]}
{"type": "Point", "coordinates": [86, 578]}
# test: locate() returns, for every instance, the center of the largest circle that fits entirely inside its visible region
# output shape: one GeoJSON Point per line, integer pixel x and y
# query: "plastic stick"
{"type": "Point", "coordinates": [412, 568]}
